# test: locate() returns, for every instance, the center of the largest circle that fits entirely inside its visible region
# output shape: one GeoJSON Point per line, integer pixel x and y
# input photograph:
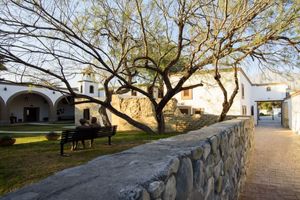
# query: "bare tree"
{"type": "Point", "coordinates": [129, 42]}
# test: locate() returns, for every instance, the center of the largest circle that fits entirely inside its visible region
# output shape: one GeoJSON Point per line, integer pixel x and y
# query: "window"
{"type": "Point", "coordinates": [252, 110]}
{"type": "Point", "coordinates": [184, 111]}
{"type": "Point", "coordinates": [243, 91]}
{"type": "Point", "coordinates": [187, 110]}
{"type": "Point", "coordinates": [268, 89]}
{"type": "Point", "coordinates": [198, 111]}
{"type": "Point", "coordinates": [160, 92]}
{"type": "Point", "coordinates": [91, 89]}
{"type": "Point", "coordinates": [187, 94]}
{"type": "Point", "coordinates": [133, 93]}
{"type": "Point", "coordinates": [81, 89]}
{"type": "Point", "coordinates": [86, 114]}
{"type": "Point", "coordinates": [244, 110]}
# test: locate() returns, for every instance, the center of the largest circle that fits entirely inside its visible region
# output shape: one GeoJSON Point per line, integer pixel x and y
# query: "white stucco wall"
{"type": "Point", "coordinates": [260, 93]}
{"type": "Point", "coordinates": [16, 107]}
{"type": "Point", "coordinates": [247, 100]}
{"type": "Point", "coordinates": [129, 95]}
{"type": "Point", "coordinates": [210, 96]}
{"type": "Point", "coordinates": [14, 89]}
{"type": "Point", "coordinates": [85, 85]}
{"type": "Point", "coordinates": [94, 111]}
{"type": "Point", "coordinates": [13, 102]}
{"type": "Point", "coordinates": [294, 113]}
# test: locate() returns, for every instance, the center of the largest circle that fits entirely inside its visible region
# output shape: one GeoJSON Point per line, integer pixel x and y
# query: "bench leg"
{"type": "Point", "coordinates": [61, 149]}
{"type": "Point", "coordinates": [109, 140]}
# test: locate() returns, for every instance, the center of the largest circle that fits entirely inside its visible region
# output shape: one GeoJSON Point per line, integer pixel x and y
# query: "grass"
{"type": "Point", "coordinates": [33, 158]}
{"type": "Point", "coordinates": [34, 127]}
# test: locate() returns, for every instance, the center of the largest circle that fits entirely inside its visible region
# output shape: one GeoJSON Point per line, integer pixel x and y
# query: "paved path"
{"type": "Point", "coordinates": [274, 172]}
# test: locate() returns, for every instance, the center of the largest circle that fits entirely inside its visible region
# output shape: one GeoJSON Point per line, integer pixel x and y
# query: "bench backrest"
{"type": "Point", "coordinates": [67, 135]}
{"type": "Point", "coordinates": [107, 130]}
{"type": "Point", "coordinates": [83, 133]}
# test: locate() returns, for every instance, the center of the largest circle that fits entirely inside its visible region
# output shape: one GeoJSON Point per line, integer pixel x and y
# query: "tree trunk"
{"type": "Point", "coordinates": [104, 116]}
{"type": "Point", "coordinates": [224, 112]}
{"type": "Point", "coordinates": [160, 119]}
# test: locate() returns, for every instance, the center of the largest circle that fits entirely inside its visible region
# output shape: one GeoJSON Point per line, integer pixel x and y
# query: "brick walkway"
{"type": "Point", "coordinates": [274, 172]}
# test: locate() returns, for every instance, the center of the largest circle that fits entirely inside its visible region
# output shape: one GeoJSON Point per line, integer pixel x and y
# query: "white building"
{"type": "Point", "coordinates": [27, 104]}
{"type": "Point", "coordinates": [33, 104]}
{"type": "Point", "coordinates": [209, 98]}
{"type": "Point", "coordinates": [291, 112]}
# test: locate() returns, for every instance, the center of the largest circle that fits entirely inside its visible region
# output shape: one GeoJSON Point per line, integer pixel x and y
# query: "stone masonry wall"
{"type": "Point", "coordinates": [141, 109]}
{"type": "Point", "coordinates": [209, 163]}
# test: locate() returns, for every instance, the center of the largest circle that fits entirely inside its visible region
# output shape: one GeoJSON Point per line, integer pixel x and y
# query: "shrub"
{"type": "Point", "coordinates": [7, 140]}
{"type": "Point", "coordinates": [52, 135]}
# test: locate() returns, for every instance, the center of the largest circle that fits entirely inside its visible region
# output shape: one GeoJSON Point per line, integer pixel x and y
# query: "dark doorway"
{"type": "Point", "coordinates": [86, 114]}
{"type": "Point", "coordinates": [31, 114]}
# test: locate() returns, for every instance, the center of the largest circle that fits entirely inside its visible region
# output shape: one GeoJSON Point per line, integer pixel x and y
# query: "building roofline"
{"type": "Point", "coordinates": [228, 69]}
{"type": "Point", "coordinates": [266, 84]}
{"type": "Point", "coordinates": [27, 84]}
{"type": "Point", "coordinates": [86, 81]}
{"type": "Point", "coordinates": [136, 85]}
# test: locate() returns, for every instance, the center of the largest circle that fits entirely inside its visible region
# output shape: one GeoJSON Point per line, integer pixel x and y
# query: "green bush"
{"type": "Point", "coordinates": [52, 135]}
{"type": "Point", "coordinates": [7, 140]}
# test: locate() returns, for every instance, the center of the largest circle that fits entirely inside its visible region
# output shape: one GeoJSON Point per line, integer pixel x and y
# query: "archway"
{"type": "Point", "coordinates": [64, 107]}
{"type": "Point", "coordinates": [30, 106]}
{"type": "Point", "coordinates": [4, 117]}
{"type": "Point", "coordinates": [269, 112]}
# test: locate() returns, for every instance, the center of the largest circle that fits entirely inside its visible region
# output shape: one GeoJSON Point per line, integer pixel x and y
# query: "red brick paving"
{"type": "Point", "coordinates": [274, 172]}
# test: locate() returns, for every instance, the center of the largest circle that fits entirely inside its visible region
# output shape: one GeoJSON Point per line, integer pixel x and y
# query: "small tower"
{"type": "Point", "coordinates": [88, 84]}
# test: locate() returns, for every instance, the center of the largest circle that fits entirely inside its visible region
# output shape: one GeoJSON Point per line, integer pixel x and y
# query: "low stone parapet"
{"type": "Point", "coordinates": [209, 163]}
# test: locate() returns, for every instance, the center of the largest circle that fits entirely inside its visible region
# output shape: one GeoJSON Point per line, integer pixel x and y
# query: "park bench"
{"type": "Point", "coordinates": [75, 135]}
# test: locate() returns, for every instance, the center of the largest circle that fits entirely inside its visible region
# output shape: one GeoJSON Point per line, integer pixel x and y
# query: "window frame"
{"type": "Point", "coordinates": [92, 89]}
{"type": "Point", "coordinates": [187, 97]}
{"type": "Point", "coordinates": [86, 114]}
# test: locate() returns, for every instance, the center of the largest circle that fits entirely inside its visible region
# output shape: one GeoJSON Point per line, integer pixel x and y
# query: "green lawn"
{"type": "Point", "coordinates": [34, 127]}
{"type": "Point", "coordinates": [33, 158]}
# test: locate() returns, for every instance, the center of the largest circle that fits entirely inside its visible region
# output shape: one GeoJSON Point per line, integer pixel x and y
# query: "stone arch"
{"type": "Point", "coordinates": [65, 108]}
{"type": "Point", "coordinates": [30, 104]}
{"type": "Point", "coordinates": [4, 116]}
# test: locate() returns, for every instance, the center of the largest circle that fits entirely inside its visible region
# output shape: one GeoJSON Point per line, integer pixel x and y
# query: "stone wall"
{"type": "Point", "coordinates": [209, 163]}
{"type": "Point", "coordinates": [141, 109]}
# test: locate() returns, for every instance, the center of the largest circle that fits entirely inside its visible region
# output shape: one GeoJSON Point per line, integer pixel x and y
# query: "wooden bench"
{"type": "Point", "coordinates": [76, 135]}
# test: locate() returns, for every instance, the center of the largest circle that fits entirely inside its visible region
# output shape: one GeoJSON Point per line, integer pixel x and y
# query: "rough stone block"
{"type": "Point", "coordinates": [170, 189]}
{"type": "Point", "coordinates": [197, 153]}
{"type": "Point", "coordinates": [218, 170]}
{"type": "Point", "coordinates": [224, 145]}
{"type": "Point", "coordinates": [219, 184]}
{"type": "Point", "coordinates": [156, 188]}
{"type": "Point", "coordinates": [209, 191]}
{"type": "Point", "coordinates": [134, 193]}
{"type": "Point", "coordinates": [214, 144]}
{"type": "Point", "coordinates": [172, 166]}
{"type": "Point", "coordinates": [199, 174]}
{"type": "Point", "coordinates": [184, 179]}
{"type": "Point", "coordinates": [207, 150]}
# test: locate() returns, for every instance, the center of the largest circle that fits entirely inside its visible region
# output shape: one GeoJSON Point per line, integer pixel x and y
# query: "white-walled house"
{"type": "Point", "coordinates": [33, 104]}
{"type": "Point", "coordinates": [26, 104]}
{"type": "Point", "coordinates": [209, 97]}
